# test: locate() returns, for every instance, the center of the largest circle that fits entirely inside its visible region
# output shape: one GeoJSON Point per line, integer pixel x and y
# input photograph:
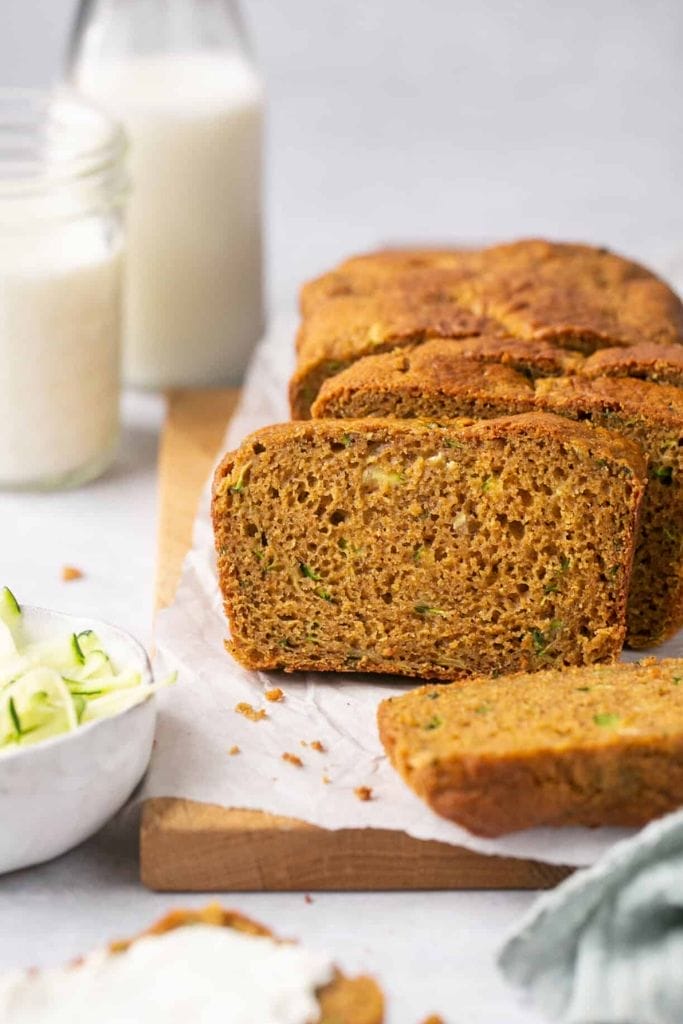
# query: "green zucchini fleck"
{"type": "Point", "coordinates": [664, 474]}
{"type": "Point", "coordinates": [606, 719]}
{"type": "Point", "coordinates": [554, 585]}
{"type": "Point", "coordinates": [428, 609]}
{"type": "Point", "coordinates": [542, 641]}
{"type": "Point", "coordinates": [239, 485]}
{"type": "Point", "coordinates": [434, 722]}
{"type": "Point", "coordinates": [308, 572]}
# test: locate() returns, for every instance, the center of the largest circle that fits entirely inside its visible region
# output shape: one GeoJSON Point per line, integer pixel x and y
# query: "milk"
{"type": "Point", "coordinates": [59, 352]}
{"type": "Point", "coordinates": [193, 304]}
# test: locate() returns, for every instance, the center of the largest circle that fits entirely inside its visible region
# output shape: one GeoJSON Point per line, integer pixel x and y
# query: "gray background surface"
{"type": "Point", "coordinates": [436, 119]}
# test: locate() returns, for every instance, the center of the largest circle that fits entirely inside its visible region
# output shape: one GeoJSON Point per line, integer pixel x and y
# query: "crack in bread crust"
{"type": "Point", "coordinates": [567, 296]}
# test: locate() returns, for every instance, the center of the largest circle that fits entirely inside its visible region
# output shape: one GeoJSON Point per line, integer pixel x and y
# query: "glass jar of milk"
{"type": "Point", "coordinates": [179, 76]}
{"type": "Point", "coordinates": [62, 188]}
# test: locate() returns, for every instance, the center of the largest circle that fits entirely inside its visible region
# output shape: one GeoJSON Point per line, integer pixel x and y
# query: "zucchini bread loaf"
{"type": "Point", "coordinates": [592, 746]}
{"type": "Point", "coordinates": [567, 296]}
{"type": "Point", "coordinates": [434, 381]}
{"type": "Point", "coordinates": [193, 965]}
{"type": "Point", "coordinates": [427, 549]}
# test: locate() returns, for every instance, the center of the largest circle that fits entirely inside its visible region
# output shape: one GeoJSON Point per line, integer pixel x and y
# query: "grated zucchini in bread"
{"type": "Point", "coordinates": [434, 380]}
{"type": "Point", "coordinates": [427, 549]}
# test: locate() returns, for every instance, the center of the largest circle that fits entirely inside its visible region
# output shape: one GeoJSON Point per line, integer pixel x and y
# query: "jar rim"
{"type": "Point", "coordinates": [56, 139]}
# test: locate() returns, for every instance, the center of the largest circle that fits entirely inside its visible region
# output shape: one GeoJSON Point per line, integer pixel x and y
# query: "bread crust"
{"type": "Point", "coordinates": [661, 364]}
{"type": "Point", "coordinates": [583, 747]}
{"type": "Point", "coordinates": [568, 296]}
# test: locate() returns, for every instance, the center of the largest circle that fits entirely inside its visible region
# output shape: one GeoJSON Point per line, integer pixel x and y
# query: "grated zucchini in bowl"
{"type": "Point", "coordinates": [48, 688]}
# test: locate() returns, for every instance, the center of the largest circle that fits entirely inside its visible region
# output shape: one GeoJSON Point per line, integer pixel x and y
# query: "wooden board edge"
{"type": "Point", "coordinates": [194, 428]}
{"type": "Point", "coordinates": [188, 846]}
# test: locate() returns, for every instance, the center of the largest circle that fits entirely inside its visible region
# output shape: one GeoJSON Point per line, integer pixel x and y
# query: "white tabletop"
{"type": "Point", "coordinates": [432, 952]}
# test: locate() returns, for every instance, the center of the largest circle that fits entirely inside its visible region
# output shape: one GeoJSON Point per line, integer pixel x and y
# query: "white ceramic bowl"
{"type": "Point", "coordinates": [55, 794]}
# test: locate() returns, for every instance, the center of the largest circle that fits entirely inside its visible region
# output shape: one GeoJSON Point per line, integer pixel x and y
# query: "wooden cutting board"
{"type": "Point", "coordinates": [188, 846]}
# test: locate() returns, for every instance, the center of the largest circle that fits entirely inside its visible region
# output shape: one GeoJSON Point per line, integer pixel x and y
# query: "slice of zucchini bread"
{"type": "Point", "coordinates": [567, 296]}
{"type": "Point", "coordinates": [586, 746]}
{"type": "Point", "coordinates": [433, 381]}
{"type": "Point", "coordinates": [427, 549]}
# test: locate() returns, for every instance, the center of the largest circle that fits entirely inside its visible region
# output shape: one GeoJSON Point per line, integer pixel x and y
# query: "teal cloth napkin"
{"type": "Point", "coordinates": [606, 946]}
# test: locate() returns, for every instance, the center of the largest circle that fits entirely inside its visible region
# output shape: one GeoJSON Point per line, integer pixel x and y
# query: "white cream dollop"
{"type": "Point", "coordinates": [198, 973]}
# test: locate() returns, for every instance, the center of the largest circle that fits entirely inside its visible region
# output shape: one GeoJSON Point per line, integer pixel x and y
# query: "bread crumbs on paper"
{"type": "Point", "coordinates": [250, 712]}
{"type": "Point", "coordinates": [363, 793]}
{"type": "Point", "coordinates": [317, 745]}
{"type": "Point", "coordinates": [293, 759]}
{"type": "Point", "coordinates": [71, 572]}
{"type": "Point", "coordinates": [433, 1019]}
{"type": "Point", "coordinates": [326, 780]}
{"type": "Point", "coordinates": [276, 694]}
{"type": "Point", "coordinates": [234, 750]}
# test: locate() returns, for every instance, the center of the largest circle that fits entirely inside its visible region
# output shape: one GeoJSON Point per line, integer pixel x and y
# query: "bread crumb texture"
{"type": "Point", "coordinates": [293, 759]}
{"type": "Point", "coordinates": [572, 297]}
{"type": "Point", "coordinates": [427, 549]}
{"type": "Point", "coordinates": [70, 573]}
{"type": "Point", "coordinates": [436, 380]}
{"type": "Point", "coordinates": [250, 712]}
{"type": "Point", "coordinates": [234, 750]}
{"type": "Point", "coordinates": [586, 746]}
{"type": "Point", "coordinates": [275, 695]}
{"type": "Point", "coordinates": [364, 793]}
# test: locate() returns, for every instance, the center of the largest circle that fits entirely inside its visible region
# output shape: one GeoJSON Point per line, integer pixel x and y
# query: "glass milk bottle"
{"type": "Point", "coordinates": [62, 189]}
{"type": "Point", "coordinates": [179, 76]}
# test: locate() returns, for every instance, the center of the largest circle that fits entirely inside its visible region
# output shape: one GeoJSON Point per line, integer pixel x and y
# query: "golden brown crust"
{"type": "Point", "coordinates": [434, 380]}
{"type": "Point", "coordinates": [657, 363]}
{"type": "Point", "coordinates": [568, 296]}
{"type": "Point", "coordinates": [375, 545]}
{"type": "Point", "coordinates": [594, 746]}
{"type": "Point", "coordinates": [342, 1001]}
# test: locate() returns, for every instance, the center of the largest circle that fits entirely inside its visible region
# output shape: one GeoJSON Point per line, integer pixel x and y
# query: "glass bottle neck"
{"type": "Point", "coordinates": [109, 29]}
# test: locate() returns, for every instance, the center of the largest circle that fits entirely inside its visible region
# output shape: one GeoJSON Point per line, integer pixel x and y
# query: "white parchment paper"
{"type": "Point", "coordinates": [198, 725]}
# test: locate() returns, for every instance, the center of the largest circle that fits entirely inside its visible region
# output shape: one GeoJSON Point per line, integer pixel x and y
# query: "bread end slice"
{"type": "Point", "coordinates": [587, 746]}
